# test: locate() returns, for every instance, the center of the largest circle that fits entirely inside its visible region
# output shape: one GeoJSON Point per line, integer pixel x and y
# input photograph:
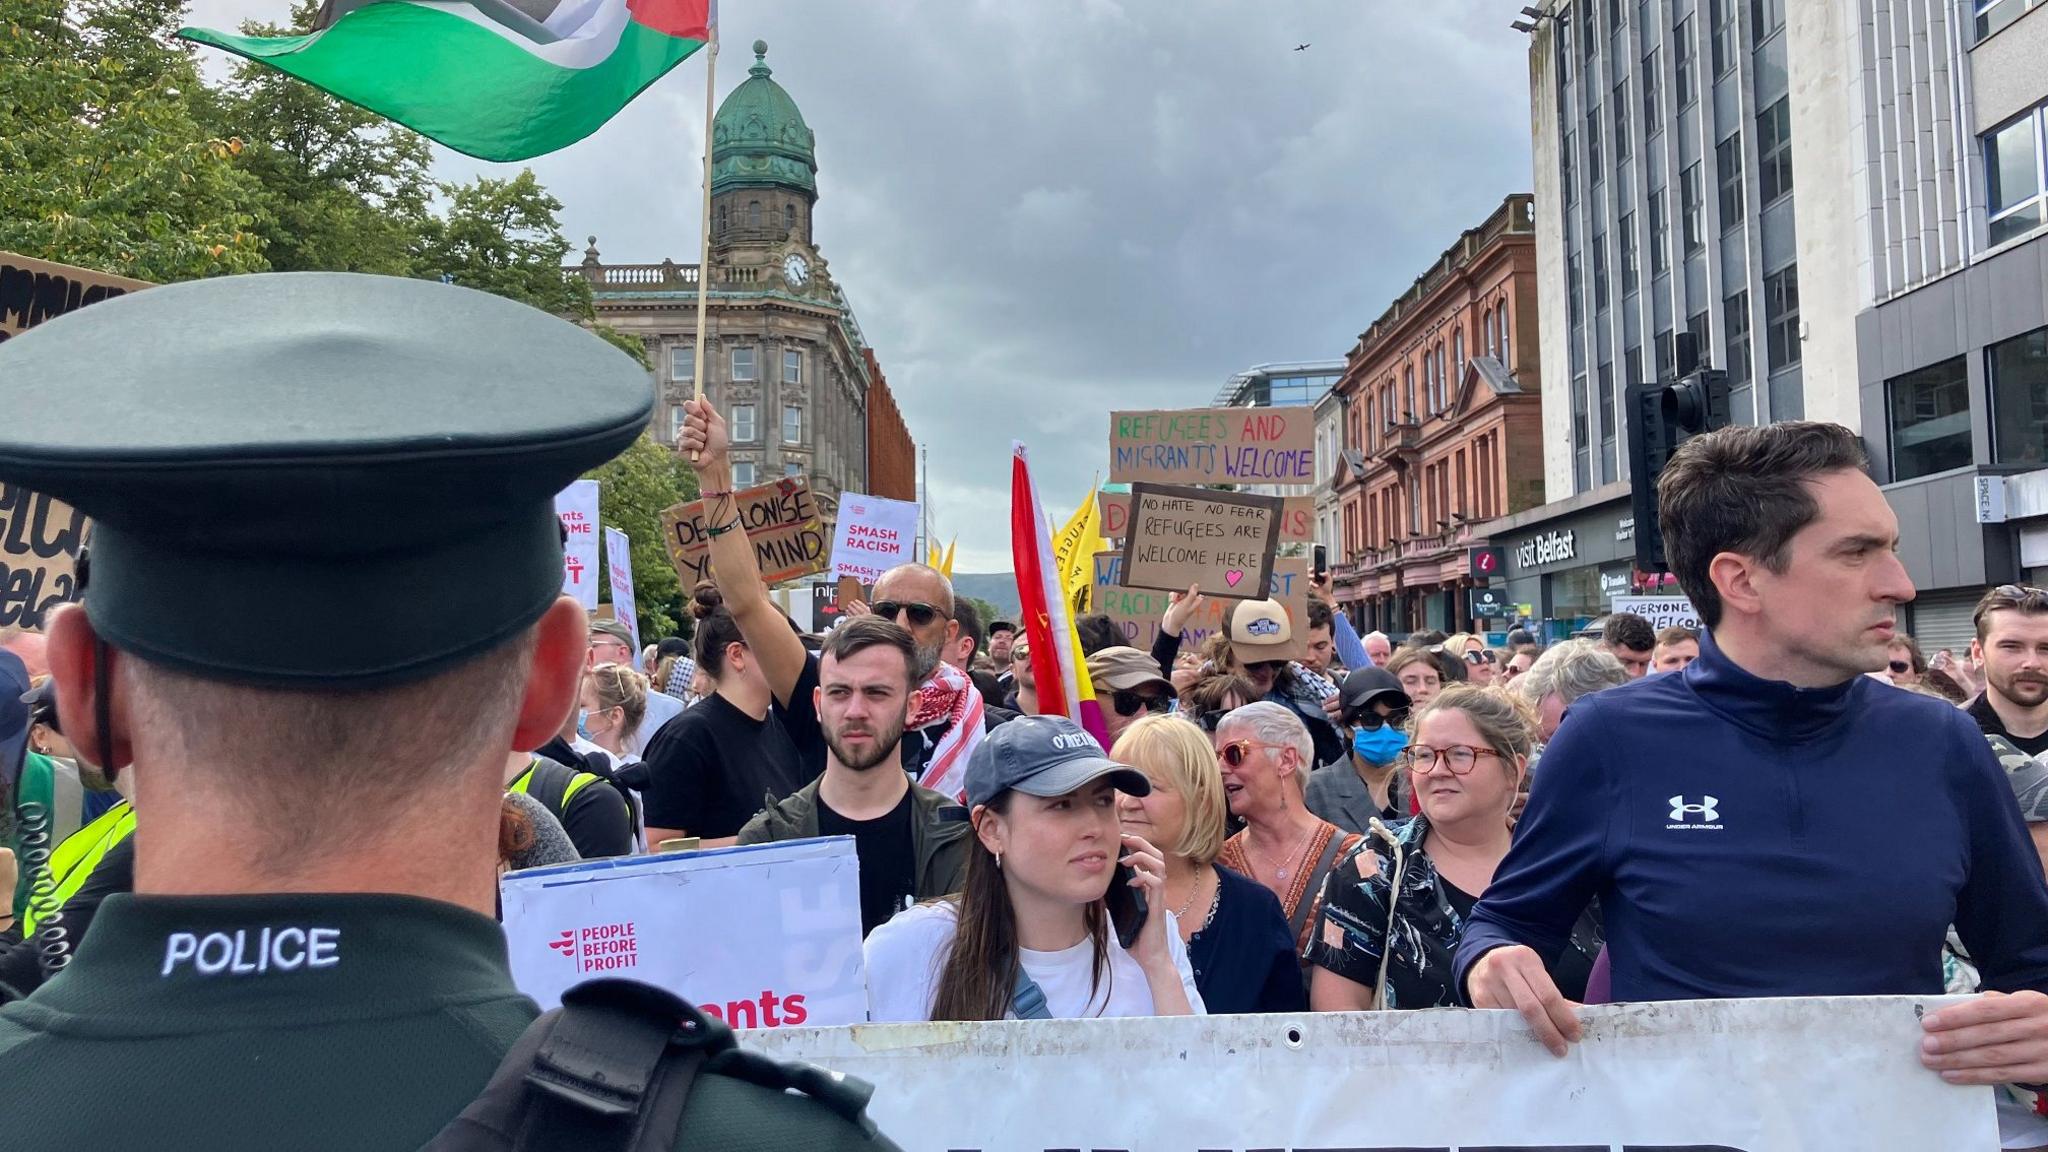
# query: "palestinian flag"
{"type": "Point", "coordinates": [496, 79]}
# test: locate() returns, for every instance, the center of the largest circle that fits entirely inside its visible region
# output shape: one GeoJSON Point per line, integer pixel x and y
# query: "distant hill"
{"type": "Point", "coordinates": [998, 588]}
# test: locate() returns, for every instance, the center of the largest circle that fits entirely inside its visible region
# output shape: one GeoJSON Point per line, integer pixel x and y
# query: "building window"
{"type": "Point", "coordinates": [1930, 419]}
{"type": "Point", "coordinates": [743, 364]}
{"type": "Point", "coordinates": [1458, 356]}
{"type": "Point", "coordinates": [1589, 38]}
{"type": "Point", "coordinates": [1774, 152]}
{"type": "Point", "coordinates": [1613, 16]}
{"type": "Point", "coordinates": [1564, 50]}
{"type": "Point", "coordinates": [682, 363]}
{"type": "Point", "coordinates": [753, 213]}
{"type": "Point", "coordinates": [788, 223]}
{"type": "Point", "coordinates": [1735, 317]}
{"type": "Point", "coordinates": [1721, 15]}
{"type": "Point", "coordinates": [1993, 15]}
{"type": "Point", "coordinates": [1593, 147]}
{"type": "Point", "coordinates": [723, 219]}
{"type": "Point", "coordinates": [1653, 89]}
{"type": "Point", "coordinates": [1765, 18]}
{"type": "Point", "coordinates": [1667, 356]}
{"type": "Point", "coordinates": [1631, 368]}
{"type": "Point", "coordinates": [1660, 235]}
{"type": "Point", "coordinates": [1728, 172]}
{"type": "Point", "coordinates": [743, 474]}
{"type": "Point", "coordinates": [792, 424]}
{"type": "Point", "coordinates": [792, 367]}
{"type": "Point", "coordinates": [1685, 51]}
{"type": "Point", "coordinates": [1629, 270]}
{"type": "Point", "coordinates": [1621, 133]}
{"type": "Point", "coordinates": [1700, 324]}
{"type": "Point", "coordinates": [1486, 330]}
{"type": "Point", "coordinates": [1781, 317]}
{"type": "Point", "coordinates": [2018, 369]}
{"type": "Point", "coordinates": [1500, 317]}
{"type": "Point", "coordinates": [742, 423]}
{"type": "Point", "coordinates": [1605, 380]}
{"type": "Point", "coordinates": [1599, 272]}
{"type": "Point", "coordinates": [1569, 171]}
{"type": "Point", "coordinates": [675, 423]}
{"type": "Point", "coordinates": [1408, 391]}
{"type": "Point", "coordinates": [1582, 478]}
{"type": "Point", "coordinates": [792, 468]}
{"type": "Point", "coordinates": [1574, 284]}
{"type": "Point", "coordinates": [1692, 211]}
{"type": "Point", "coordinates": [2013, 164]}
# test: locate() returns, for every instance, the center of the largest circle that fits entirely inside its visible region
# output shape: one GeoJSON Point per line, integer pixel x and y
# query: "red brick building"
{"type": "Point", "coordinates": [1443, 428]}
{"type": "Point", "coordinates": [892, 455]}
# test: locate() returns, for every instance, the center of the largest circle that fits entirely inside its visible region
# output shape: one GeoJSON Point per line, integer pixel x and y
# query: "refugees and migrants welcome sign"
{"type": "Point", "coordinates": [1701, 1076]}
{"type": "Point", "coordinates": [1213, 446]}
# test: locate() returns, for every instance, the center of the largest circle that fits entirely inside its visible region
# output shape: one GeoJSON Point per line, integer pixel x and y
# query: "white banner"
{"type": "Point", "coordinates": [1702, 1076]}
{"type": "Point", "coordinates": [1661, 611]}
{"type": "Point", "coordinates": [577, 506]}
{"type": "Point", "coordinates": [618, 556]}
{"type": "Point", "coordinates": [874, 535]}
{"type": "Point", "coordinates": [765, 936]}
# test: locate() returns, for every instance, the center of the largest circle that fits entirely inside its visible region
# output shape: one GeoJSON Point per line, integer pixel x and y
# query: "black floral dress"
{"type": "Point", "coordinates": [1428, 920]}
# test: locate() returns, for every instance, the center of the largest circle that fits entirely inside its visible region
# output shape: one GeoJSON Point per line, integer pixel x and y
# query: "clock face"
{"type": "Point", "coordinates": [796, 270]}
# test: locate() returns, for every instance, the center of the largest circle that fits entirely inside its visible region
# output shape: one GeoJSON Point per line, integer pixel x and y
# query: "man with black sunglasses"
{"type": "Point", "coordinates": [1351, 792]}
{"type": "Point", "coordinates": [1129, 682]}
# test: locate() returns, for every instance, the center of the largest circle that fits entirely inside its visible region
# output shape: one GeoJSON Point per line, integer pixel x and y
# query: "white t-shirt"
{"type": "Point", "coordinates": [904, 955]}
{"type": "Point", "coordinates": [661, 708]}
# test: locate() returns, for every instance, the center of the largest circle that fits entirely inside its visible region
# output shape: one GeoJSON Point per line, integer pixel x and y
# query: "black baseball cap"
{"type": "Point", "coordinates": [1366, 685]}
{"type": "Point", "coordinates": [315, 479]}
{"type": "Point", "coordinates": [1043, 756]}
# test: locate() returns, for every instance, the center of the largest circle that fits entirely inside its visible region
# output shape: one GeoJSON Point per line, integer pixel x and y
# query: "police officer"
{"type": "Point", "coordinates": [367, 467]}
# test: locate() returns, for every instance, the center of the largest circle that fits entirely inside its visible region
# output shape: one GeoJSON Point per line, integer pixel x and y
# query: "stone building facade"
{"type": "Point", "coordinates": [784, 358]}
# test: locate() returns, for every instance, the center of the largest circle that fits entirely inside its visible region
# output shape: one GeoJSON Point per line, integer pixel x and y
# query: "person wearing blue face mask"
{"type": "Point", "coordinates": [1365, 785]}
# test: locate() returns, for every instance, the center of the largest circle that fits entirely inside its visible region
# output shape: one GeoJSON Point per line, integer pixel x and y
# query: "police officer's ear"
{"type": "Point", "coordinates": [74, 652]}
{"type": "Point", "coordinates": [554, 684]}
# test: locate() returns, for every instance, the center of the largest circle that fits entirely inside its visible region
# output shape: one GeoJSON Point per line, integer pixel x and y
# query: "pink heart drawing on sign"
{"type": "Point", "coordinates": [1233, 577]}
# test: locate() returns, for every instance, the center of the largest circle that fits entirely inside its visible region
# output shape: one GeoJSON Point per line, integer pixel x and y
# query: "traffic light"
{"type": "Point", "coordinates": [1661, 416]}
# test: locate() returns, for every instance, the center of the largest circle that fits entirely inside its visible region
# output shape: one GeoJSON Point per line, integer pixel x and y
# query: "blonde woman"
{"type": "Point", "coordinates": [1235, 932]}
{"type": "Point", "coordinates": [1393, 912]}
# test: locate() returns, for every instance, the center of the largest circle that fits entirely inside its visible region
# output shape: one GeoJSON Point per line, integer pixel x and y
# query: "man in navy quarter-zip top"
{"type": "Point", "coordinates": [1805, 830]}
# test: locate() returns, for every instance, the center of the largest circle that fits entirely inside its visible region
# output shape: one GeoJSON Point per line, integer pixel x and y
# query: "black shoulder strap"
{"type": "Point", "coordinates": [550, 783]}
{"type": "Point", "coordinates": [609, 1071]}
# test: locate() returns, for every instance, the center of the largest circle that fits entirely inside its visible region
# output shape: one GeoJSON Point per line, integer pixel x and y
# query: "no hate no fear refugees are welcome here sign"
{"type": "Point", "coordinates": [1222, 541]}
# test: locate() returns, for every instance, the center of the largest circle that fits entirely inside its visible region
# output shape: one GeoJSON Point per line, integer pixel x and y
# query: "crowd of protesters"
{"type": "Point", "coordinates": [1274, 822]}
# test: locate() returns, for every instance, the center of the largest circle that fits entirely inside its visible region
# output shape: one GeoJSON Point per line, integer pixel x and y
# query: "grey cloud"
{"type": "Point", "coordinates": [1049, 209]}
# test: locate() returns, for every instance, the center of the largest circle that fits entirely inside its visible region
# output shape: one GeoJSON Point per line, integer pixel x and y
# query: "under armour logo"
{"type": "Point", "coordinates": [1681, 812]}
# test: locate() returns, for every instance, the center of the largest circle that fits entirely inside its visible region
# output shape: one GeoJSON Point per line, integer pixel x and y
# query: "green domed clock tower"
{"type": "Point", "coordinates": [784, 358]}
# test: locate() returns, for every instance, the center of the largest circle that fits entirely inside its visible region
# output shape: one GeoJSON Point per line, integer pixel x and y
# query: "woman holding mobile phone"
{"type": "Point", "coordinates": [1061, 915]}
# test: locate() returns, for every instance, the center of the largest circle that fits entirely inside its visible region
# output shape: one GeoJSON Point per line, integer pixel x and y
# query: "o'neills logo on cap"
{"type": "Point", "coordinates": [600, 947]}
{"type": "Point", "coordinates": [1070, 741]}
{"type": "Point", "coordinates": [252, 951]}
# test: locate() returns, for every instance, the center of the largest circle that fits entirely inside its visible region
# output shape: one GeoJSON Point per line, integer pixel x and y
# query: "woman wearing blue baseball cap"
{"type": "Point", "coordinates": [1061, 916]}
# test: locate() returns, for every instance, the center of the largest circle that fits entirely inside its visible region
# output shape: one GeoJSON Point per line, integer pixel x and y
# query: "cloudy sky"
{"type": "Point", "coordinates": [1043, 210]}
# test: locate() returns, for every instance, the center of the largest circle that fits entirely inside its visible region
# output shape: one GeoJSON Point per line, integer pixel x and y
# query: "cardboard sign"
{"type": "Point", "coordinates": [1297, 517]}
{"type": "Point", "coordinates": [618, 555]}
{"type": "Point", "coordinates": [1661, 611]}
{"type": "Point", "coordinates": [577, 506]}
{"type": "Point", "coordinates": [40, 537]}
{"type": "Point", "coordinates": [1214, 446]}
{"type": "Point", "coordinates": [32, 291]}
{"type": "Point", "coordinates": [1778, 1075]}
{"type": "Point", "coordinates": [875, 534]}
{"type": "Point", "coordinates": [1135, 612]}
{"type": "Point", "coordinates": [1223, 541]}
{"type": "Point", "coordinates": [763, 936]}
{"type": "Point", "coordinates": [782, 524]}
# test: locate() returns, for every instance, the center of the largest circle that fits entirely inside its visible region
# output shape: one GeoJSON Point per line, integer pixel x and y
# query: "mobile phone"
{"type": "Point", "coordinates": [1127, 909]}
{"type": "Point", "coordinates": [1321, 565]}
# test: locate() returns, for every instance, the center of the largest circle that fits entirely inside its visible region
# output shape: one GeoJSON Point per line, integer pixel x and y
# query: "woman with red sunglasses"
{"type": "Point", "coordinates": [1267, 755]}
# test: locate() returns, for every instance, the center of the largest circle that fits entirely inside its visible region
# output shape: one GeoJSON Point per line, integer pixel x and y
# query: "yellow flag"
{"type": "Point", "coordinates": [945, 564]}
{"type": "Point", "coordinates": [1073, 550]}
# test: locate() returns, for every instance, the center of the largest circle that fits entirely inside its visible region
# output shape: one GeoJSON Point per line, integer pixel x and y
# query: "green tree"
{"type": "Point", "coordinates": [343, 189]}
{"type": "Point", "coordinates": [633, 489]}
{"type": "Point", "coordinates": [503, 236]}
{"type": "Point", "coordinates": [105, 161]}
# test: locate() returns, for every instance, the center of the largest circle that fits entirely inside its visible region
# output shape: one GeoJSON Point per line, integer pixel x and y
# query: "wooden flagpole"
{"type": "Point", "coordinates": [704, 262]}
